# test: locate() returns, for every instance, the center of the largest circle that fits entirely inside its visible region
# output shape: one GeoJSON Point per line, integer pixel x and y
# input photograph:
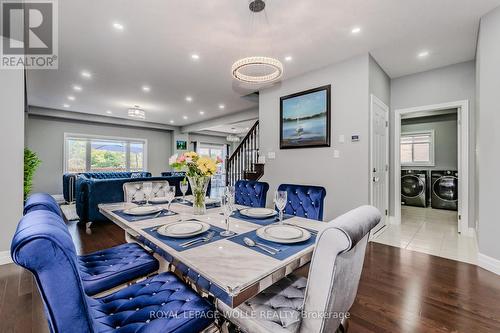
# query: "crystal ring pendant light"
{"type": "Point", "coordinates": [266, 69]}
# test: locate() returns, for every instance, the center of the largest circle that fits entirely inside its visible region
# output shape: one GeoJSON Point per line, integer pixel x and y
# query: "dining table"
{"type": "Point", "coordinates": [225, 268]}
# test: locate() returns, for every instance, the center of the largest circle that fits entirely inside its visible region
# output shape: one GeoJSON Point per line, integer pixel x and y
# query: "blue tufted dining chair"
{"type": "Point", "coordinates": [162, 303]}
{"type": "Point", "coordinates": [304, 200]}
{"type": "Point", "coordinates": [41, 201]}
{"type": "Point", "coordinates": [251, 193]}
{"type": "Point", "coordinates": [105, 269]}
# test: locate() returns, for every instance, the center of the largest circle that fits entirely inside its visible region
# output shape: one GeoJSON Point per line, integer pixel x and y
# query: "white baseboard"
{"type": "Point", "coordinates": [5, 258]}
{"type": "Point", "coordinates": [488, 263]}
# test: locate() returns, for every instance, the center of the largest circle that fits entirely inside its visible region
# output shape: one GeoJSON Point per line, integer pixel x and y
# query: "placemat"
{"type": "Point", "coordinates": [135, 218]}
{"type": "Point", "coordinates": [286, 250]}
{"type": "Point", "coordinates": [175, 243]}
{"type": "Point", "coordinates": [263, 222]}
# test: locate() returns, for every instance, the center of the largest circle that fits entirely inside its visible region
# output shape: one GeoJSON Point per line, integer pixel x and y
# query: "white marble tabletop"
{"type": "Point", "coordinates": [238, 271]}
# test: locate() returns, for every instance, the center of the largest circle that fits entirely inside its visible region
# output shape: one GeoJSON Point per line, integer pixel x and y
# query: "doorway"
{"type": "Point", "coordinates": [379, 159]}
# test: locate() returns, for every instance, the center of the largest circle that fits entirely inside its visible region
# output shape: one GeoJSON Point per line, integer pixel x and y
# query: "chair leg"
{"type": "Point", "coordinates": [344, 326]}
{"type": "Point", "coordinates": [88, 231]}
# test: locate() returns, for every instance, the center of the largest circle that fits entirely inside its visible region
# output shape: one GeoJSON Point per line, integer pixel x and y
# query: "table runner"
{"type": "Point", "coordinates": [135, 218]}
{"type": "Point", "coordinates": [286, 250]}
{"type": "Point", "coordinates": [176, 242]}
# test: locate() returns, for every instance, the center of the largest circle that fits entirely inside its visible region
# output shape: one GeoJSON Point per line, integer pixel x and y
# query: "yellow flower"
{"type": "Point", "coordinates": [206, 166]}
{"type": "Point", "coordinates": [191, 154]}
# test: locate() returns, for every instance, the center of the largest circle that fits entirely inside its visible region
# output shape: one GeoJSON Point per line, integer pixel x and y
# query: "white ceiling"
{"type": "Point", "coordinates": [159, 37]}
{"type": "Point", "coordinates": [239, 128]}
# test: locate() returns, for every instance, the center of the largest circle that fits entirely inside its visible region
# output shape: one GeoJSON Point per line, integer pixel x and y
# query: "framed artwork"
{"type": "Point", "coordinates": [181, 145]}
{"type": "Point", "coordinates": [305, 119]}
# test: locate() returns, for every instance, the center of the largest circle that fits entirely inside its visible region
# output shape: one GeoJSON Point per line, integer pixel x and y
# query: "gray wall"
{"type": "Point", "coordinates": [442, 85]}
{"type": "Point", "coordinates": [379, 82]}
{"type": "Point", "coordinates": [445, 139]}
{"type": "Point", "coordinates": [45, 136]}
{"type": "Point", "coordinates": [11, 146]}
{"type": "Point", "coordinates": [345, 178]}
{"type": "Point", "coordinates": [488, 119]}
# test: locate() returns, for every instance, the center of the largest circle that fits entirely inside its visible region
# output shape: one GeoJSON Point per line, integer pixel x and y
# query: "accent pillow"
{"type": "Point", "coordinates": [136, 175]}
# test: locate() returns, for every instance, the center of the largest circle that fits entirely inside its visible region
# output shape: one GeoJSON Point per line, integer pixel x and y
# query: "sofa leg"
{"type": "Point", "coordinates": [87, 228]}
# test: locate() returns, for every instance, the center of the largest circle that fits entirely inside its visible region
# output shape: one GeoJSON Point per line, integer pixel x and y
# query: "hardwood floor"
{"type": "Point", "coordinates": [399, 291]}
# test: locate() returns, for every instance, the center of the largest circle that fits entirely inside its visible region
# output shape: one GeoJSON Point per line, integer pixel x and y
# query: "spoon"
{"type": "Point", "coordinates": [251, 243]}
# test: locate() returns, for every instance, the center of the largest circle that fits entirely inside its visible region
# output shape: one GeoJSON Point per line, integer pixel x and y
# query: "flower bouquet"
{"type": "Point", "coordinates": [199, 170]}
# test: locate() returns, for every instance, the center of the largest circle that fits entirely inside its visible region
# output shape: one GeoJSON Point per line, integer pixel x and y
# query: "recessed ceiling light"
{"type": "Point", "coordinates": [222, 106]}
{"type": "Point", "coordinates": [171, 121]}
{"type": "Point", "coordinates": [184, 117]}
{"type": "Point", "coordinates": [77, 88]}
{"type": "Point", "coordinates": [202, 112]}
{"type": "Point", "coordinates": [118, 26]}
{"type": "Point", "coordinates": [71, 98]}
{"type": "Point", "coordinates": [247, 128]}
{"type": "Point", "coordinates": [109, 112]}
{"type": "Point", "coordinates": [66, 105]}
{"type": "Point", "coordinates": [195, 56]}
{"type": "Point", "coordinates": [189, 99]}
{"type": "Point", "coordinates": [288, 58]}
{"type": "Point", "coordinates": [423, 54]}
{"type": "Point", "coordinates": [146, 88]}
{"type": "Point", "coordinates": [86, 74]}
{"type": "Point", "coordinates": [355, 30]}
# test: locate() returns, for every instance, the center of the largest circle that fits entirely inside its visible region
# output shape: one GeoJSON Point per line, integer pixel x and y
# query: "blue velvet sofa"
{"type": "Point", "coordinates": [70, 180]}
{"type": "Point", "coordinates": [92, 192]}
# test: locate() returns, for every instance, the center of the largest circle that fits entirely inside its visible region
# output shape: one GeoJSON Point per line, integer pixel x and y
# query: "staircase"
{"type": "Point", "coordinates": [243, 163]}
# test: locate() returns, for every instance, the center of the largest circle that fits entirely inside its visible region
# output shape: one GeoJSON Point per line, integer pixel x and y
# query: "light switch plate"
{"type": "Point", "coordinates": [336, 153]}
{"type": "Point", "coordinates": [271, 155]}
{"type": "Point", "coordinates": [341, 138]}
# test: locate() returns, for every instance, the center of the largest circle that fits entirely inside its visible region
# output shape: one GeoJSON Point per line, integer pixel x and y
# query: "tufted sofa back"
{"type": "Point", "coordinates": [114, 175]}
{"type": "Point", "coordinates": [133, 191]}
{"type": "Point", "coordinates": [43, 245]}
{"type": "Point", "coordinates": [251, 193]}
{"type": "Point", "coordinates": [336, 268]}
{"type": "Point", "coordinates": [304, 200]}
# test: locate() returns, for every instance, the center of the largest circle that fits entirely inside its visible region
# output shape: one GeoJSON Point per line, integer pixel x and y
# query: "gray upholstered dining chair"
{"type": "Point", "coordinates": [318, 304]}
{"type": "Point", "coordinates": [133, 191]}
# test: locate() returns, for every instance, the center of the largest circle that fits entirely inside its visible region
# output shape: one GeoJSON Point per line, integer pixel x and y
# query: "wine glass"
{"type": "Point", "coordinates": [229, 192]}
{"type": "Point", "coordinates": [147, 187]}
{"type": "Point", "coordinates": [280, 198]}
{"type": "Point", "coordinates": [227, 209]}
{"type": "Point", "coordinates": [170, 195]}
{"type": "Point", "coordinates": [184, 185]}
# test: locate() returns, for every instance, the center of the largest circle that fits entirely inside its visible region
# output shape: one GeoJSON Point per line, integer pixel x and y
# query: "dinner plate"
{"type": "Point", "coordinates": [208, 201]}
{"type": "Point", "coordinates": [183, 229]}
{"type": "Point", "coordinates": [258, 213]}
{"type": "Point", "coordinates": [286, 234]}
{"type": "Point", "coordinates": [158, 200]}
{"type": "Point", "coordinates": [142, 210]}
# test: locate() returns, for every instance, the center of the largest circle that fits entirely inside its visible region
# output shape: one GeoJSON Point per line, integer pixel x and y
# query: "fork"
{"type": "Point", "coordinates": [205, 239]}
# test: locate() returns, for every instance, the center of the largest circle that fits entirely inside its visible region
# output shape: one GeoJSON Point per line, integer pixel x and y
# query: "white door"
{"type": "Point", "coordinates": [379, 166]}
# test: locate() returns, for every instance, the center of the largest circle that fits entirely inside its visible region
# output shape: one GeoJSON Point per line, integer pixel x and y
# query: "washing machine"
{"type": "Point", "coordinates": [414, 188]}
{"type": "Point", "coordinates": [444, 187]}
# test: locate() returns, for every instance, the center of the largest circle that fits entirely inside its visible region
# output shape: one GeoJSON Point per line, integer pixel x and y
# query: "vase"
{"type": "Point", "coordinates": [199, 185]}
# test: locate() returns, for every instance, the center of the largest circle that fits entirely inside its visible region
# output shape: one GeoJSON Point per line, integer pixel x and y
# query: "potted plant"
{"type": "Point", "coordinates": [31, 163]}
{"type": "Point", "coordinates": [199, 170]}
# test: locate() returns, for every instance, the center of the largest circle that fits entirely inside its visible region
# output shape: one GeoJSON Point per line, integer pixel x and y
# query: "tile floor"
{"type": "Point", "coordinates": [431, 231]}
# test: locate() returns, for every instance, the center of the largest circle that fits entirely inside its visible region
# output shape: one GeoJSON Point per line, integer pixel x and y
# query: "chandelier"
{"type": "Point", "coordinates": [257, 70]}
{"type": "Point", "coordinates": [232, 138]}
{"type": "Point", "coordinates": [137, 113]}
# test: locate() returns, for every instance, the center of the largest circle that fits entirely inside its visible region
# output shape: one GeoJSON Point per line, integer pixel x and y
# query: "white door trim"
{"type": "Point", "coordinates": [463, 158]}
{"type": "Point", "coordinates": [375, 100]}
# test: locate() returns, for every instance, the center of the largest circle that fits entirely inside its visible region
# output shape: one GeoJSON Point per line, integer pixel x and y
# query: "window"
{"type": "Point", "coordinates": [417, 148]}
{"type": "Point", "coordinates": [92, 153]}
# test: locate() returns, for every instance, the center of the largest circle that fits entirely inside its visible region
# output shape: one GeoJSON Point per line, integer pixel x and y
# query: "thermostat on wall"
{"type": "Point", "coordinates": [354, 138]}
